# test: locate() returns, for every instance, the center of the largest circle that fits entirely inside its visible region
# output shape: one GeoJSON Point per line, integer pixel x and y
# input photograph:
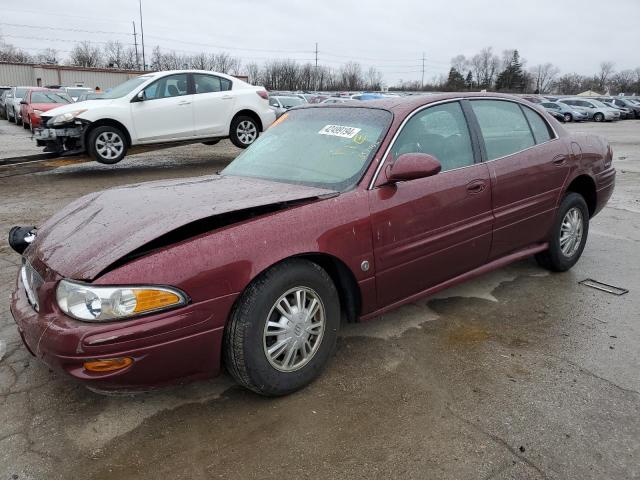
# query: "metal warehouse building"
{"type": "Point", "coordinates": [40, 75]}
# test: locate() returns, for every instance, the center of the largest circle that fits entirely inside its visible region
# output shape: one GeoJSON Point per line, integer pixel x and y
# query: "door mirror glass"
{"type": "Point", "coordinates": [140, 96]}
{"type": "Point", "coordinates": [411, 166]}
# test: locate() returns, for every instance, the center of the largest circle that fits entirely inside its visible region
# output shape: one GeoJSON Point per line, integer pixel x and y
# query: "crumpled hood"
{"type": "Point", "coordinates": [93, 232]}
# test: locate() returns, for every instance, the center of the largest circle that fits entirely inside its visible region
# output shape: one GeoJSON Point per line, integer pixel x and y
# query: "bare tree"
{"type": "Point", "coordinates": [114, 53]}
{"type": "Point", "coordinates": [84, 54]}
{"type": "Point", "coordinates": [252, 70]}
{"type": "Point", "coordinates": [373, 79]}
{"type": "Point", "coordinates": [460, 63]}
{"type": "Point", "coordinates": [351, 76]}
{"type": "Point", "coordinates": [9, 53]}
{"type": "Point", "coordinates": [606, 70]}
{"type": "Point", "coordinates": [484, 66]}
{"type": "Point", "coordinates": [544, 76]}
{"type": "Point", "coordinates": [623, 82]}
{"type": "Point", "coordinates": [48, 55]}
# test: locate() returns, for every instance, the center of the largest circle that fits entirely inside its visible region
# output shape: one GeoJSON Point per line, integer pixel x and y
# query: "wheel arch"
{"type": "Point", "coordinates": [111, 123]}
{"type": "Point", "coordinates": [585, 186]}
{"type": "Point", "coordinates": [250, 113]}
{"type": "Point", "coordinates": [341, 275]}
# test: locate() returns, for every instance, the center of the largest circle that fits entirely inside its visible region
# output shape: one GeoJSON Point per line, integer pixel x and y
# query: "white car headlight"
{"type": "Point", "coordinates": [91, 303]}
{"type": "Point", "coordinates": [66, 117]}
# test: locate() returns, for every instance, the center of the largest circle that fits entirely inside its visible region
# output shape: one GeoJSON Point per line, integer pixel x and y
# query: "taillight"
{"type": "Point", "coordinates": [263, 94]}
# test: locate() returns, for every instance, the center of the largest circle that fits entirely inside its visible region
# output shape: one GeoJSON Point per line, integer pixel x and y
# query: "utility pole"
{"type": "Point", "coordinates": [316, 82]}
{"type": "Point", "coordinates": [144, 62]}
{"type": "Point", "coordinates": [422, 81]}
{"type": "Point", "coordinates": [135, 42]}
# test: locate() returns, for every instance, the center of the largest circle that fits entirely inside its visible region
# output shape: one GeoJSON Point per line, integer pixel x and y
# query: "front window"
{"type": "Point", "coordinates": [125, 88]}
{"type": "Point", "coordinates": [169, 86]}
{"type": "Point", "coordinates": [49, 97]}
{"type": "Point", "coordinates": [323, 147]}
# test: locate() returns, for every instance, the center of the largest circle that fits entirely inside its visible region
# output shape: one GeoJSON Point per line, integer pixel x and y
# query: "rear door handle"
{"type": "Point", "coordinates": [476, 186]}
{"type": "Point", "coordinates": [560, 160]}
{"type": "Point", "coordinates": [227, 97]}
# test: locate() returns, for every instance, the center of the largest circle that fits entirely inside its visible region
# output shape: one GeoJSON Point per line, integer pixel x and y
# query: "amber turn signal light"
{"type": "Point", "coordinates": [108, 364]}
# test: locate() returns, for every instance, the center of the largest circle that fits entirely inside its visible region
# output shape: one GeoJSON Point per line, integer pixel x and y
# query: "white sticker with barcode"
{"type": "Point", "coordinates": [339, 131]}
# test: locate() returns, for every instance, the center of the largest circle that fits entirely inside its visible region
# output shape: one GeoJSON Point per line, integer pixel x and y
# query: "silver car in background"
{"type": "Point", "coordinates": [569, 113]}
{"type": "Point", "coordinates": [598, 111]}
{"type": "Point", "coordinates": [281, 103]}
{"type": "Point", "coordinates": [12, 106]}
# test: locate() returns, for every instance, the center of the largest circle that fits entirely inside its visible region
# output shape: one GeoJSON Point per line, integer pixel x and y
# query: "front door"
{"type": "Point", "coordinates": [166, 113]}
{"type": "Point", "coordinates": [428, 230]}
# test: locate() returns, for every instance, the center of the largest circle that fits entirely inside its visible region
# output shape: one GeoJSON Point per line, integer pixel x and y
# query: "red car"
{"type": "Point", "coordinates": [338, 213]}
{"type": "Point", "coordinates": [37, 101]}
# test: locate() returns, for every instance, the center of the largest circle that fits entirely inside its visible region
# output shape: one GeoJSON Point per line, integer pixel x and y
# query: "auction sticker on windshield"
{"type": "Point", "coordinates": [339, 131]}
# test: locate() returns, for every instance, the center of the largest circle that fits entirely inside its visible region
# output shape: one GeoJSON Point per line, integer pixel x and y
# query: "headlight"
{"type": "Point", "coordinates": [100, 304]}
{"type": "Point", "coordinates": [66, 117]}
{"type": "Point", "coordinates": [37, 112]}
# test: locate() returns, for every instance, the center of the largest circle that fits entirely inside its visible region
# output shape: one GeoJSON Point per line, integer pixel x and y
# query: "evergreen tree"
{"type": "Point", "coordinates": [455, 82]}
{"type": "Point", "coordinates": [512, 78]}
{"type": "Point", "coordinates": [468, 82]}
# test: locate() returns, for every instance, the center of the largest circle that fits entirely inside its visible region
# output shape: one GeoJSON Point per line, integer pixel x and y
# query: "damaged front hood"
{"type": "Point", "coordinates": [93, 232]}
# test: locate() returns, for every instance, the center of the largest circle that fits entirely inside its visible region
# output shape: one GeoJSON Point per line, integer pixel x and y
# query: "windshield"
{"type": "Point", "coordinates": [20, 92]}
{"type": "Point", "coordinates": [49, 97]}
{"type": "Point", "coordinates": [321, 147]}
{"type": "Point", "coordinates": [124, 88]}
{"type": "Point", "coordinates": [598, 103]}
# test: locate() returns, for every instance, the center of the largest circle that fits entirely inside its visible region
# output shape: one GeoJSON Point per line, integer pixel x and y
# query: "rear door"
{"type": "Point", "coordinates": [528, 167]}
{"type": "Point", "coordinates": [428, 230]}
{"type": "Point", "coordinates": [166, 113]}
{"type": "Point", "coordinates": [213, 105]}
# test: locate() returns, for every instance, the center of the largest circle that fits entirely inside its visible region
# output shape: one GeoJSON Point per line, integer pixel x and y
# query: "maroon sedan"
{"type": "Point", "coordinates": [37, 101]}
{"type": "Point", "coordinates": [337, 213]}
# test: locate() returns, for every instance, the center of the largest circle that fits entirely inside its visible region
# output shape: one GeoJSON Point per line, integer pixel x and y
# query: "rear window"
{"type": "Point", "coordinates": [504, 127]}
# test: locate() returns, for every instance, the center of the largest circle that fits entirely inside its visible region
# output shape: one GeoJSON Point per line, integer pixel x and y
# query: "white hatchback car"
{"type": "Point", "coordinates": [162, 107]}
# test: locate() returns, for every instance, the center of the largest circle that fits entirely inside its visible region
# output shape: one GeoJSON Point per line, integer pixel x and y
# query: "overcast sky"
{"type": "Point", "coordinates": [576, 35]}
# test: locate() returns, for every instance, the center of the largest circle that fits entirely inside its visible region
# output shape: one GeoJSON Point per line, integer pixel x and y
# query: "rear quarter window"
{"type": "Point", "coordinates": [541, 130]}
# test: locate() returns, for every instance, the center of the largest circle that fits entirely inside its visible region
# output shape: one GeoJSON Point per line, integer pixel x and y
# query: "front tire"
{"type": "Point", "coordinates": [244, 131]}
{"type": "Point", "coordinates": [568, 117]}
{"type": "Point", "coordinates": [107, 144]}
{"type": "Point", "coordinates": [598, 117]}
{"type": "Point", "coordinates": [568, 235]}
{"type": "Point", "coordinates": [283, 329]}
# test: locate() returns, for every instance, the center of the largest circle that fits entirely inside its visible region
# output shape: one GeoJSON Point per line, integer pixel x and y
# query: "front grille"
{"type": "Point", "coordinates": [32, 282]}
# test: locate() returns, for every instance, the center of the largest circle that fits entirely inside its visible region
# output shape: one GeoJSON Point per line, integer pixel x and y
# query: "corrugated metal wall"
{"type": "Point", "coordinates": [28, 75]}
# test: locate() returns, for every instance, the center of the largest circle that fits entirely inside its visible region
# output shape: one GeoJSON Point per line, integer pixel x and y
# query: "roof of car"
{"type": "Point", "coordinates": [402, 105]}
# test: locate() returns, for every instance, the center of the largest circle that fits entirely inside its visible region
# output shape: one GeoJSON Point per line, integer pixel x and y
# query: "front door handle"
{"type": "Point", "coordinates": [184, 103]}
{"type": "Point", "coordinates": [476, 186]}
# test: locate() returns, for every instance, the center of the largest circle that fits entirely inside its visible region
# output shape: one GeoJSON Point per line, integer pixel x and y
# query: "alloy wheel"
{"type": "Point", "coordinates": [247, 132]}
{"type": "Point", "coordinates": [294, 329]}
{"type": "Point", "coordinates": [109, 145]}
{"type": "Point", "coordinates": [571, 232]}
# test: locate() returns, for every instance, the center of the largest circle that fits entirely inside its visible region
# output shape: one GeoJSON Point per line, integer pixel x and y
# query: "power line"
{"type": "Point", "coordinates": [79, 30]}
{"type": "Point", "coordinates": [48, 39]}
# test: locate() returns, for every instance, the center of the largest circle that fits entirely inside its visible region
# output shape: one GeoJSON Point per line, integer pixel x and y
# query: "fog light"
{"type": "Point", "coordinates": [108, 364]}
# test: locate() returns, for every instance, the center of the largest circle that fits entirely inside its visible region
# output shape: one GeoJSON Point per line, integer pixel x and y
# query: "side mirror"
{"type": "Point", "coordinates": [411, 166]}
{"type": "Point", "coordinates": [23, 102]}
{"type": "Point", "coordinates": [140, 96]}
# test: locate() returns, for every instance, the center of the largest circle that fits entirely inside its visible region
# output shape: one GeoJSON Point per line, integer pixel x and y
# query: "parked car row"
{"type": "Point", "coordinates": [181, 106]}
{"type": "Point", "coordinates": [598, 109]}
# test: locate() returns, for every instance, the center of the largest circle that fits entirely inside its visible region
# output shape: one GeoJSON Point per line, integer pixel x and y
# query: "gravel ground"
{"type": "Point", "coordinates": [519, 374]}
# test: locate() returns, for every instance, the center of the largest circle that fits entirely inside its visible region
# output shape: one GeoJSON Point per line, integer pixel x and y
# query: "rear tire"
{"type": "Point", "coordinates": [275, 354]}
{"type": "Point", "coordinates": [17, 119]}
{"type": "Point", "coordinates": [244, 131]}
{"type": "Point", "coordinates": [568, 235]}
{"type": "Point", "coordinates": [25, 125]}
{"type": "Point", "coordinates": [568, 117]}
{"type": "Point", "coordinates": [107, 144]}
{"type": "Point", "coordinates": [598, 117]}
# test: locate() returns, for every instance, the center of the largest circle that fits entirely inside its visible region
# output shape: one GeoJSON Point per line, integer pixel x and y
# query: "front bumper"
{"type": "Point", "coordinates": [177, 345]}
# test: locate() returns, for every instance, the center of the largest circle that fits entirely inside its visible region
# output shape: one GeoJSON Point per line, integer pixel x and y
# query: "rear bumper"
{"type": "Point", "coordinates": [178, 345]}
{"type": "Point", "coordinates": [605, 184]}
